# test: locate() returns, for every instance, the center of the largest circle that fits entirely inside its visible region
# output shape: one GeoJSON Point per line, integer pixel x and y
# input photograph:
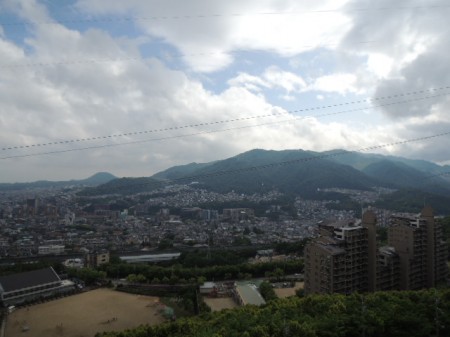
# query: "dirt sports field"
{"type": "Point", "coordinates": [286, 292]}
{"type": "Point", "coordinates": [84, 315]}
{"type": "Point", "coordinates": [217, 304]}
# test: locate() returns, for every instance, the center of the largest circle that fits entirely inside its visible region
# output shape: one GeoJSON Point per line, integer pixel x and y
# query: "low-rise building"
{"type": "Point", "coordinates": [248, 294]}
{"type": "Point", "coordinates": [150, 258]}
{"type": "Point", "coordinates": [97, 258]}
{"type": "Point", "coordinates": [51, 249]}
{"type": "Point", "coordinates": [31, 286]}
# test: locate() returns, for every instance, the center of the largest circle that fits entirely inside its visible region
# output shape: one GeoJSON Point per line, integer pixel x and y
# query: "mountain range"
{"type": "Point", "coordinates": [295, 172]}
{"type": "Point", "coordinates": [97, 179]}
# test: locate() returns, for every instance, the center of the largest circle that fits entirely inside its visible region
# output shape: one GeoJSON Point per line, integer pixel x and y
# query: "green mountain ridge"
{"type": "Point", "coordinates": [361, 160]}
{"type": "Point", "coordinates": [123, 186]}
{"type": "Point", "coordinates": [290, 171]}
{"type": "Point", "coordinates": [181, 170]}
{"type": "Point", "coordinates": [400, 175]}
{"type": "Point", "coordinates": [295, 172]}
{"type": "Point", "coordinates": [94, 180]}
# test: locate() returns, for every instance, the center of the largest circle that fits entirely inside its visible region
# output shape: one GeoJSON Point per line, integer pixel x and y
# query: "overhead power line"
{"type": "Point", "coordinates": [321, 107]}
{"type": "Point", "coordinates": [75, 62]}
{"type": "Point", "coordinates": [221, 15]}
{"type": "Point", "coordinates": [217, 131]}
{"type": "Point", "coordinates": [324, 156]}
{"type": "Point", "coordinates": [285, 163]}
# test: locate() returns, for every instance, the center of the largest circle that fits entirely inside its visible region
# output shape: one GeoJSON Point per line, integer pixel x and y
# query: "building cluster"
{"type": "Point", "coordinates": [58, 222]}
{"type": "Point", "coordinates": [346, 256]}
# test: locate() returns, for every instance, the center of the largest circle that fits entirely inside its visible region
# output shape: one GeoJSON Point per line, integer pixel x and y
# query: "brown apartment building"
{"type": "Point", "coordinates": [421, 248]}
{"type": "Point", "coordinates": [346, 256]}
{"type": "Point", "coordinates": [337, 260]}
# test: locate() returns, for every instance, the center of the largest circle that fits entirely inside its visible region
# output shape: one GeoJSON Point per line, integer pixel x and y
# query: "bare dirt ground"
{"type": "Point", "coordinates": [84, 315]}
{"type": "Point", "coordinates": [286, 292]}
{"type": "Point", "coordinates": [217, 304]}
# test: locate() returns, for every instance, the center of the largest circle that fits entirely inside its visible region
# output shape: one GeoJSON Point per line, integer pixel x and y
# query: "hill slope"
{"type": "Point", "coordinates": [290, 171]}
{"type": "Point", "coordinates": [296, 172]}
{"type": "Point", "coordinates": [388, 314]}
{"type": "Point", "coordinates": [180, 171]}
{"type": "Point", "coordinates": [96, 179]}
{"type": "Point", "coordinates": [123, 186]}
{"type": "Point", "coordinates": [400, 175]}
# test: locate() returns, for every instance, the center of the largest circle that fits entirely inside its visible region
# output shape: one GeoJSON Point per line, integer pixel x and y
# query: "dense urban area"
{"type": "Point", "coordinates": [190, 251]}
{"type": "Point", "coordinates": [61, 222]}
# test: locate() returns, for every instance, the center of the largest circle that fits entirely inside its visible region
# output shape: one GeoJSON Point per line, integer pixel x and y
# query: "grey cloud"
{"type": "Point", "coordinates": [63, 101]}
{"type": "Point", "coordinates": [225, 26]}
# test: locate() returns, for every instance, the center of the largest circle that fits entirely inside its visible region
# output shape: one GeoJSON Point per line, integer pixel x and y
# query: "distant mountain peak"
{"type": "Point", "coordinates": [94, 180]}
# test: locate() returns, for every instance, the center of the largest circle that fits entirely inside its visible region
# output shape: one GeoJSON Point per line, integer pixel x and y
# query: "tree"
{"type": "Point", "coordinates": [139, 278]}
{"type": "Point", "coordinates": [201, 280]}
{"type": "Point", "coordinates": [267, 292]}
{"type": "Point", "coordinates": [278, 273]}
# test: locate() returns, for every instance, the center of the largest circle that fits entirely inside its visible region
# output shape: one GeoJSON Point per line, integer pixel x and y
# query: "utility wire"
{"type": "Point", "coordinates": [285, 163]}
{"type": "Point", "coordinates": [75, 62]}
{"type": "Point", "coordinates": [368, 100]}
{"type": "Point", "coordinates": [216, 131]}
{"type": "Point", "coordinates": [221, 15]}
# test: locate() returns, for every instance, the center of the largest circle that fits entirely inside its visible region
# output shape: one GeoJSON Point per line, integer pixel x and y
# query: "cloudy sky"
{"type": "Point", "coordinates": [134, 87]}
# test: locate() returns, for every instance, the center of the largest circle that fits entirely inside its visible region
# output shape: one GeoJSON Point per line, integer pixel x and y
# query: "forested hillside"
{"type": "Point", "coordinates": [396, 314]}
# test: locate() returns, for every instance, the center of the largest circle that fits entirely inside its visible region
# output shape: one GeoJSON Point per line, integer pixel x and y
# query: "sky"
{"type": "Point", "coordinates": [135, 87]}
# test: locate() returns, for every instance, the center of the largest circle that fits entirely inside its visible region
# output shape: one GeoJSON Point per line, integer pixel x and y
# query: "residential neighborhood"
{"type": "Point", "coordinates": [59, 222]}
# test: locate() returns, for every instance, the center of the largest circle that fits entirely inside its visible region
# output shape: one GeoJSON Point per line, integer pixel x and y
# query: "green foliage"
{"type": "Point", "coordinates": [387, 314]}
{"type": "Point", "coordinates": [346, 204]}
{"type": "Point", "coordinates": [409, 200]}
{"type": "Point", "coordinates": [215, 258]}
{"type": "Point", "coordinates": [210, 272]}
{"type": "Point", "coordinates": [165, 244]}
{"type": "Point", "coordinates": [266, 290]}
{"type": "Point", "coordinates": [122, 186]}
{"type": "Point", "coordinates": [278, 273]}
{"type": "Point", "coordinates": [301, 179]}
{"type": "Point", "coordinates": [139, 278]}
{"type": "Point", "coordinates": [445, 222]}
{"type": "Point", "coordinates": [382, 235]}
{"type": "Point", "coordinates": [241, 241]}
{"type": "Point", "coordinates": [291, 247]}
{"type": "Point", "coordinates": [96, 179]}
{"type": "Point", "coordinates": [88, 275]}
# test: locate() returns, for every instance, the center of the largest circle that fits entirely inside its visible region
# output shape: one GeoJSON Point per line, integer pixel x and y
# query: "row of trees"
{"type": "Point", "coordinates": [177, 273]}
{"type": "Point", "coordinates": [215, 258]}
{"type": "Point", "coordinates": [387, 314]}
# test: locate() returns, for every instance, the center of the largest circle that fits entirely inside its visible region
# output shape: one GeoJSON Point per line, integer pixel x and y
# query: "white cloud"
{"type": "Point", "coordinates": [272, 77]}
{"type": "Point", "coordinates": [380, 64]}
{"type": "Point", "coordinates": [231, 25]}
{"type": "Point", "coordinates": [284, 79]}
{"type": "Point", "coordinates": [87, 99]}
{"type": "Point", "coordinates": [250, 82]}
{"type": "Point", "coordinates": [340, 83]}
